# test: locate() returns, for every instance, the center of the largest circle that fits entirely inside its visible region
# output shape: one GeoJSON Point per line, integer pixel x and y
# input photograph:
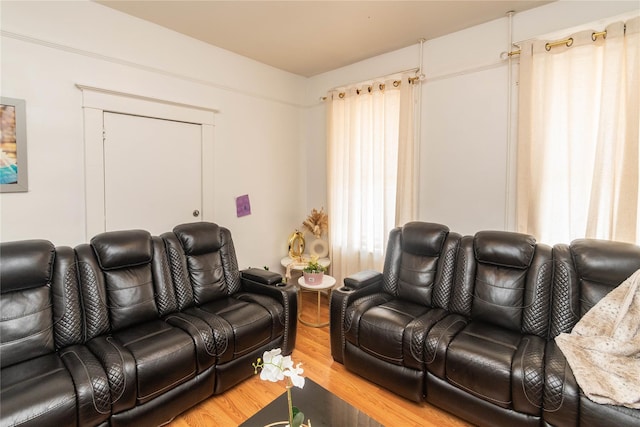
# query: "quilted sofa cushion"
{"type": "Point", "coordinates": [239, 326]}
{"type": "Point", "coordinates": [483, 360]}
{"type": "Point", "coordinates": [46, 385]}
{"type": "Point", "coordinates": [391, 331]}
{"type": "Point", "coordinates": [164, 357]}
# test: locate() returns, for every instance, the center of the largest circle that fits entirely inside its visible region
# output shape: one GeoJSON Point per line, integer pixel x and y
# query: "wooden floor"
{"type": "Point", "coordinates": [313, 350]}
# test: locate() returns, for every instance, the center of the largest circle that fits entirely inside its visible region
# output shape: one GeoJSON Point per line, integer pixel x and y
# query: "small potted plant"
{"type": "Point", "coordinates": [313, 272]}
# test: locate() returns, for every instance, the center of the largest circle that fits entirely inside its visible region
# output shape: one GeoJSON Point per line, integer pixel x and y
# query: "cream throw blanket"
{"type": "Point", "coordinates": [603, 349]}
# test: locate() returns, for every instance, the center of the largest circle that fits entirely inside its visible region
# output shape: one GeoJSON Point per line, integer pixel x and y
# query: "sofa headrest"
{"type": "Point", "coordinates": [25, 264]}
{"type": "Point", "coordinates": [504, 248]}
{"type": "Point", "coordinates": [121, 249]}
{"type": "Point", "coordinates": [423, 238]}
{"type": "Point", "coordinates": [605, 261]}
{"type": "Point", "coordinates": [199, 238]}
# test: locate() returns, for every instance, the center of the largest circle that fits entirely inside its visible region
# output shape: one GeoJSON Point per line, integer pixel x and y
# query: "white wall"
{"type": "Point", "coordinates": [270, 133]}
{"type": "Point", "coordinates": [48, 47]}
{"type": "Point", "coordinates": [465, 180]}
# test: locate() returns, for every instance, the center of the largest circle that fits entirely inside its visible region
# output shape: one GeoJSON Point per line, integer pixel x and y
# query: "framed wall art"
{"type": "Point", "coordinates": [13, 146]}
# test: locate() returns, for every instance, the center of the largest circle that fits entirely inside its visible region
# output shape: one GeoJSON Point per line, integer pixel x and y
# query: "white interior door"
{"type": "Point", "coordinates": [152, 173]}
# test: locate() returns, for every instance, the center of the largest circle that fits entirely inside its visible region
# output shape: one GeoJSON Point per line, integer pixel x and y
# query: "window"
{"type": "Point", "coordinates": [370, 133]}
{"type": "Point", "coordinates": [578, 143]}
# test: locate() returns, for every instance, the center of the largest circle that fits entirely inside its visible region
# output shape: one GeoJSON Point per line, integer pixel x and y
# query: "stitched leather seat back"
{"type": "Point", "coordinates": [512, 281]}
{"type": "Point", "coordinates": [65, 291]}
{"type": "Point", "coordinates": [26, 311]}
{"type": "Point", "coordinates": [117, 281]}
{"type": "Point", "coordinates": [209, 262]}
{"type": "Point", "coordinates": [419, 263]}
{"type": "Point", "coordinates": [585, 272]}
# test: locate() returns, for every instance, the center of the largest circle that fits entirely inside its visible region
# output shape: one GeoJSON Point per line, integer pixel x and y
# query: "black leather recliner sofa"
{"type": "Point", "coordinates": [379, 322]}
{"type": "Point", "coordinates": [585, 272]}
{"type": "Point", "coordinates": [132, 328]}
{"type": "Point", "coordinates": [49, 377]}
{"type": "Point", "coordinates": [467, 323]}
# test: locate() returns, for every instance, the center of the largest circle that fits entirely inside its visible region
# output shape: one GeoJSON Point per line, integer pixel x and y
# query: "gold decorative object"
{"type": "Point", "coordinates": [317, 223]}
{"type": "Point", "coordinates": [296, 245]}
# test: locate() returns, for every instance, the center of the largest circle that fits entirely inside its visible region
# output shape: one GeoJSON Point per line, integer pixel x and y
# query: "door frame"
{"type": "Point", "coordinates": [96, 101]}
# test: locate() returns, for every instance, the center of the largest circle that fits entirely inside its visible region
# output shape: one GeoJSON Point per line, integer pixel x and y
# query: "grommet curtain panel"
{"type": "Point", "coordinates": [578, 136]}
{"type": "Point", "coordinates": [370, 171]}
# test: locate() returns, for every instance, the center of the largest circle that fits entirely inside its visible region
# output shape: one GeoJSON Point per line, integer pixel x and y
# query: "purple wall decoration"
{"type": "Point", "coordinates": [243, 206]}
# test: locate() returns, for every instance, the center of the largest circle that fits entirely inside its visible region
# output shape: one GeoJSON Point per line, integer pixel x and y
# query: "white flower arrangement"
{"type": "Point", "coordinates": [275, 367]}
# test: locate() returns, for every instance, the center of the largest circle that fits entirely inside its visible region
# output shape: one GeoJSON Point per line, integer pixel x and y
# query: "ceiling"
{"type": "Point", "coordinates": [311, 37]}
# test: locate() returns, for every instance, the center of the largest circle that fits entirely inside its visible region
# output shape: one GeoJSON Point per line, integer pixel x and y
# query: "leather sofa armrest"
{"type": "Point", "coordinates": [355, 286]}
{"type": "Point", "coordinates": [438, 340]}
{"type": "Point", "coordinates": [527, 375]}
{"type": "Point", "coordinates": [92, 386]}
{"type": "Point", "coordinates": [259, 275]}
{"type": "Point", "coordinates": [268, 284]}
{"type": "Point", "coordinates": [120, 367]}
{"type": "Point", "coordinates": [264, 282]}
{"type": "Point", "coordinates": [362, 279]}
{"type": "Point", "coordinates": [203, 337]}
{"type": "Point", "coordinates": [561, 397]}
{"type": "Point", "coordinates": [337, 309]}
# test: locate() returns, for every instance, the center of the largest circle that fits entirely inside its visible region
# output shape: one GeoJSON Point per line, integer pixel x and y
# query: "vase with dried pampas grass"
{"type": "Point", "coordinates": [317, 222]}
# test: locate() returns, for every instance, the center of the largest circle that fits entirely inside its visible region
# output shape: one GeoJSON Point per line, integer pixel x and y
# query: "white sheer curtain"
{"type": "Point", "coordinates": [370, 171]}
{"type": "Point", "coordinates": [578, 137]}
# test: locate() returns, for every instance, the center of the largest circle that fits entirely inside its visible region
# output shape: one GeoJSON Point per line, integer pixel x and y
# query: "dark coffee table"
{"type": "Point", "coordinates": [319, 405]}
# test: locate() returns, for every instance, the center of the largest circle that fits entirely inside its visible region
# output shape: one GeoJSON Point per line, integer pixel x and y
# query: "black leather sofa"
{"type": "Point", "coordinates": [132, 329]}
{"type": "Point", "coordinates": [467, 323]}
{"type": "Point", "coordinates": [584, 272]}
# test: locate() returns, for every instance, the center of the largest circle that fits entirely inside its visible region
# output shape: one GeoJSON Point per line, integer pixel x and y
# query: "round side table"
{"type": "Point", "coordinates": [327, 283]}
